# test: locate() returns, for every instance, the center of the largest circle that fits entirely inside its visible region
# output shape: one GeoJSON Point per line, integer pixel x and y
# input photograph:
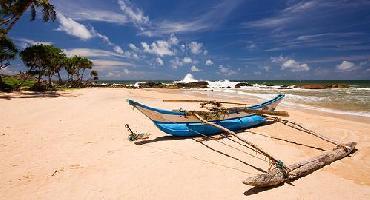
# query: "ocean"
{"type": "Point", "coordinates": [354, 100]}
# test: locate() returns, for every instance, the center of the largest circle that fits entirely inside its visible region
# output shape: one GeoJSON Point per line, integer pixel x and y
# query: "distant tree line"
{"type": "Point", "coordinates": [42, 61]}
{"type": "Point", "coordinates": [48, 61]}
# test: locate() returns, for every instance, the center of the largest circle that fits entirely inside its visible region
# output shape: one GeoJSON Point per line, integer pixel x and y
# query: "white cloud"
{"type": "Point", "coordinates": [266, 68]}
{"type": "Point", "coordinates": [173, 40]}
{"type": "Point", "coordinates": [209, 62]}
{"type": "Point", "coordinates": [187, 60]}
{"type": "Point", "coordinates": [110, 63]}
{"type": "Point", "coordinates": [227, 71]}
{"type": "Point", "coordinates": [346, 66]}
{"type": "Point", "coordinates": [294, 66]}
{"type": "Point", "coordinates": [73, 28]}
{"type": "Point", "coordinates": [126, 71]}
{"type": "Point", "coordinates": [194, 69]}
{"type": "Point", "coordinates": [118, 49]}
{"type": "Point", "coordinates": [134, 14]}
{"type": "Point", "coordinates": [85, 52]}
{"type": "Point", "coordinates": [87, 10]}
{"type": "Point", "coordinates": [79, 30]}
{"type": "Point", "coordinates": [161, 47]}
{"type": "Point", "coordinates": [208, 20]}
{"type": "Point", "coordinates": [106, 39]}
{"type": "Point", "coordinates": [176, 62]}
{"type": "Point", "coordinates": [290, 64]}
{"type": "Point", "coordinates": [195, 47]}
{"type": "Point", "coordinates": [98, 15]}
{"type": "Point", "coordinates": [159, 61]}
{"type": "Point", "coordinates": [133, 47]}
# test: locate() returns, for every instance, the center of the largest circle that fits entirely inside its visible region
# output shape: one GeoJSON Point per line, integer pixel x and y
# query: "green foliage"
{"type": "Point", "coordinates": [76, 66]}
{"type": "Point", "coordinates": [46, 60]}
{"type": "Point", "coordinates": [8, 51]}
{"type": "Point", "coordinates": [12, 83]}
{"type": "Point", "coordinates": [12, 10]}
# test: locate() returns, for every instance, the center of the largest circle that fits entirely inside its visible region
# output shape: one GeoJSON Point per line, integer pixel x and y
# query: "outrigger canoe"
{"type": "Point", "coordinates": [178, 123]}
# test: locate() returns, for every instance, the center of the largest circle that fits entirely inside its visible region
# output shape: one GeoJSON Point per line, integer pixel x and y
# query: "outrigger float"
{"type": "Point", "coordinates": [224, 121]}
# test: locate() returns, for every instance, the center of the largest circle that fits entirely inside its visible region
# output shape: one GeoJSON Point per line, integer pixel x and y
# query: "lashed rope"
{"type": "Point", "coordinates": [303, 129]}
{"type": "Point", "coordinates": [274, 161]}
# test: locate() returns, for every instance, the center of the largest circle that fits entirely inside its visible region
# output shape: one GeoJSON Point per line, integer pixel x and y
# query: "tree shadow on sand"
{"type": "Point", "coordinates": [25, 95]}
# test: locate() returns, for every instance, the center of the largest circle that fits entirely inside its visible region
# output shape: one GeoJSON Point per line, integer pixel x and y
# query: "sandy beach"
{"type": "Point", "coordinates": [74, 145]}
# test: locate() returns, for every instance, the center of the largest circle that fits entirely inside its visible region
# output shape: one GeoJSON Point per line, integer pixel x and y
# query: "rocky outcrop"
{"type": "Point", "coordinates": [242, 84]}
{"type": "Point", "coordinates": [151, 84]}
{"type": "Point", "coordinates": [198, 84]}
{"type": "Point", "coordinates": [323, 86]}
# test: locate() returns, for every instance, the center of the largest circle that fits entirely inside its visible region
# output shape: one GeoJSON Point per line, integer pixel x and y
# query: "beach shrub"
{"type": "Point", "coordinates": [13, 83]}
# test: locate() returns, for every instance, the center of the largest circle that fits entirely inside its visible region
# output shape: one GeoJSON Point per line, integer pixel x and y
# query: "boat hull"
{"type": "Point", "coordinates": [198, 128]}
{"type": "Point", "coordinates": [177, 123]}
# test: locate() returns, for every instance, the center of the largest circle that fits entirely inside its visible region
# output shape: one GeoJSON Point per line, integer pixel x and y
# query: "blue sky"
{"type": "Point", "coordinates": [211, 39]}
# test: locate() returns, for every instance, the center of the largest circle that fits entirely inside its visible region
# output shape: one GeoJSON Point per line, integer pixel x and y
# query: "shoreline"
{"type": "Point", "coordinates": [75, 146]}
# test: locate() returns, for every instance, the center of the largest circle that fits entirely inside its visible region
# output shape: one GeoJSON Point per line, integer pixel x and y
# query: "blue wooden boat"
{"type": "Point", "coordinates": [178, 123]}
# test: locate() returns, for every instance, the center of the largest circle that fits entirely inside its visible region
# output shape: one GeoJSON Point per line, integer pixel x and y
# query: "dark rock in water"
{"type": "Point", "coordinates": [242, 84]}
{"type": "Point", "coordinates": [323, 86]}
{"type": "Point", "coordinates": [285, 87]}
{"type": "Point", "coordinates": [228, 87]}
{"type": "Point", "coordinates": [199, 84]}
{"type": "Point", "coordinates": [314, 86]}
{"type": "Point", "coordinates": [340, 85]}
{"type": "Point", "coordinates": [151, 84]}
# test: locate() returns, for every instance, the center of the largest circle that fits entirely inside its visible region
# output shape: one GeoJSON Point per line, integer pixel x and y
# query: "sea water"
{"type": "Point", "coordinates": [354, 100]}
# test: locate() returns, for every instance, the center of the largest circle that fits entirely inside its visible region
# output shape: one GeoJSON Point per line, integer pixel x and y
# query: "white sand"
{"type": "Point", "coordinates": [75, 147]}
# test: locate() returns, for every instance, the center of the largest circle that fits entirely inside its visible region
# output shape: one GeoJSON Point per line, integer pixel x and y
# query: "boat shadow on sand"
{"type": "Point", "coordinates": [201, 140]}
{"type": "Point", "coordinates": [169, 138]}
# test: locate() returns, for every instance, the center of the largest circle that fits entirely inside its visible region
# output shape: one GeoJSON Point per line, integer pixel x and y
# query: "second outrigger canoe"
{"type": "Point", "coordinates": [178, 123]}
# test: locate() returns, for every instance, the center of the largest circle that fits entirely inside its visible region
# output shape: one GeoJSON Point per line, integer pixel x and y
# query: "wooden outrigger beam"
{"type": "Point", "coordinates": [276, 176]}
{"type": "Point", "coordinates": [281, 173]}
{"type": "Point", "coordinates": [202, 101]}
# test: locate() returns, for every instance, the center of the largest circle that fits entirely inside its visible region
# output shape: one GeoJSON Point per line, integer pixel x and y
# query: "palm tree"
{"type": "Point", "coordinates": [8, 52]}
{"type": "Point", "coordinates": [12, 11]}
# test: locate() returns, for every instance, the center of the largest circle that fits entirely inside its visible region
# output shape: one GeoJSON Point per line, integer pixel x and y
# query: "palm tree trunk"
{"type": "Point", "coordinates": [39, 78]}
{"type": "Point", "coordinates": [59, 77]}
{"type": "Point", "coordinates": [82, 75]}
{"type": "Point", "coordinates": [49, 78]}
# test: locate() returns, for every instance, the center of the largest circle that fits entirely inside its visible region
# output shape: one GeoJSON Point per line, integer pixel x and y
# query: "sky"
{"type": "Point", "coordinates": [211, 39]}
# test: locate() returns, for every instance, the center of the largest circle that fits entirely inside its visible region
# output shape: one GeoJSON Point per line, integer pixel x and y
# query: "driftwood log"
{"type": "Point", "coordinates": [277, 176]}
